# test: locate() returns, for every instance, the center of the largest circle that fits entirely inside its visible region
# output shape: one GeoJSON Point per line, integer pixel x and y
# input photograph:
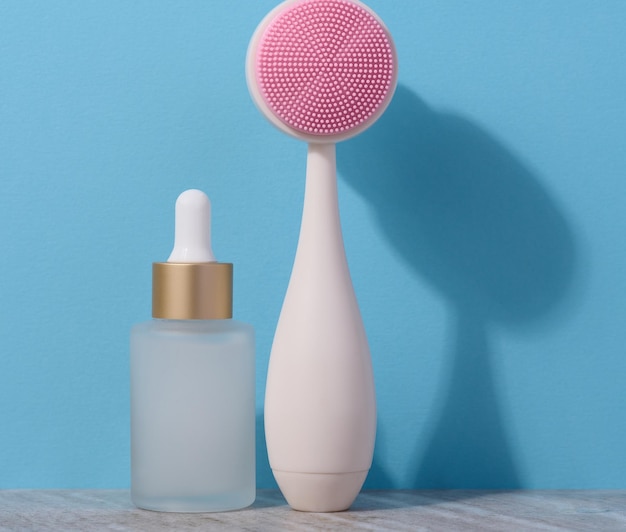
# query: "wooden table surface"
{"type": "Point", "coordinates": [87, 510]}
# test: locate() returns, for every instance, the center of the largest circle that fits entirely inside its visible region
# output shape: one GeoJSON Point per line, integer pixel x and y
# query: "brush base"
{"type": "Point", "coordinates": [320, 492]}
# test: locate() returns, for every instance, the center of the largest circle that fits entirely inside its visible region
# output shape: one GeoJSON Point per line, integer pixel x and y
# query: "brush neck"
{"type": "Point", "coordinates": [320, 238]}
{"type": "Point", "coordinates": [321, 181]}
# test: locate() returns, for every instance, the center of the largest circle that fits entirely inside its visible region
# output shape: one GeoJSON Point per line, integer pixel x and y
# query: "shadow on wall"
{"type": "Point", "coordinates": [472, 220]}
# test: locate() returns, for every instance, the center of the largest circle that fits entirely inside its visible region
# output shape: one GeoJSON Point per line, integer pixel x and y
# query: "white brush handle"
{"type": "Point", "coordinates": [320, 409]}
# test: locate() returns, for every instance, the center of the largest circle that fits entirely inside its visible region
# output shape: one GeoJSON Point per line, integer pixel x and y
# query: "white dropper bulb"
{"type": "Point", "coordinates": [192, 236]}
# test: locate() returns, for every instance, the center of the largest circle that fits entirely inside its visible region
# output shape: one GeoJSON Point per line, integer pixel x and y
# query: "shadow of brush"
{"type": "Point", "coordinates": [472, 220]}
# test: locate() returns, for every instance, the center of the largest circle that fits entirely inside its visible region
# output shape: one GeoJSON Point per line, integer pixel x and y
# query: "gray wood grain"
{"type": "Point", "coordinates": [80, 510]}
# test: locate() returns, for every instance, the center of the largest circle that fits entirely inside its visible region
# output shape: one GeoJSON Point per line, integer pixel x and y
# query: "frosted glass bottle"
{"type": "Point", "coordinates": [192, 372]}
{"type": "Point", "coordinates": [192, 400]}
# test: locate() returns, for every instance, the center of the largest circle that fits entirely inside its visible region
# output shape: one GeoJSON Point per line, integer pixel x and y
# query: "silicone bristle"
{"type": "Point", "coordinates": [324, 67]}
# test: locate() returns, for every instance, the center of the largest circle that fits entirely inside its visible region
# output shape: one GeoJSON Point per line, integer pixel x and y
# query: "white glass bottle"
{"type": "Point", "coordinates": [192, 381]}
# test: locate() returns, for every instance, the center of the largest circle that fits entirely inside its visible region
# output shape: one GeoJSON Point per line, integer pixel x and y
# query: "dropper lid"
{"type": "Point", "coordinates": [192, 285]}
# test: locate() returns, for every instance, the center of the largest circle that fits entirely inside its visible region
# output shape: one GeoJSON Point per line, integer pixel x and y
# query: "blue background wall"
{"type": "Point", "coordinates": [483, 217]}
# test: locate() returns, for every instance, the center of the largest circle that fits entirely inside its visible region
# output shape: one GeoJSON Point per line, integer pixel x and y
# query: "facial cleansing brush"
{"type": "Point", "coordinates": [321, 71]}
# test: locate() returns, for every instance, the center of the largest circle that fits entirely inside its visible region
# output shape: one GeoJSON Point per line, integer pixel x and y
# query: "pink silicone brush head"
{"type": "Point", "coordinates": [322, 70]}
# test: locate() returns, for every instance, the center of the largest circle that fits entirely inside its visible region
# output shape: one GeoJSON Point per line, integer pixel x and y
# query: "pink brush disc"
{"type": "Point", "coordinates": [325, 67]}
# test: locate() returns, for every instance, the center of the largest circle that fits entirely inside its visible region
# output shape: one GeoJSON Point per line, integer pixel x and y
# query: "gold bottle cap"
{"type": "Point", "coordinates": [192, 291]}
{"type": "Point", "coordinates": [191, 285]}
